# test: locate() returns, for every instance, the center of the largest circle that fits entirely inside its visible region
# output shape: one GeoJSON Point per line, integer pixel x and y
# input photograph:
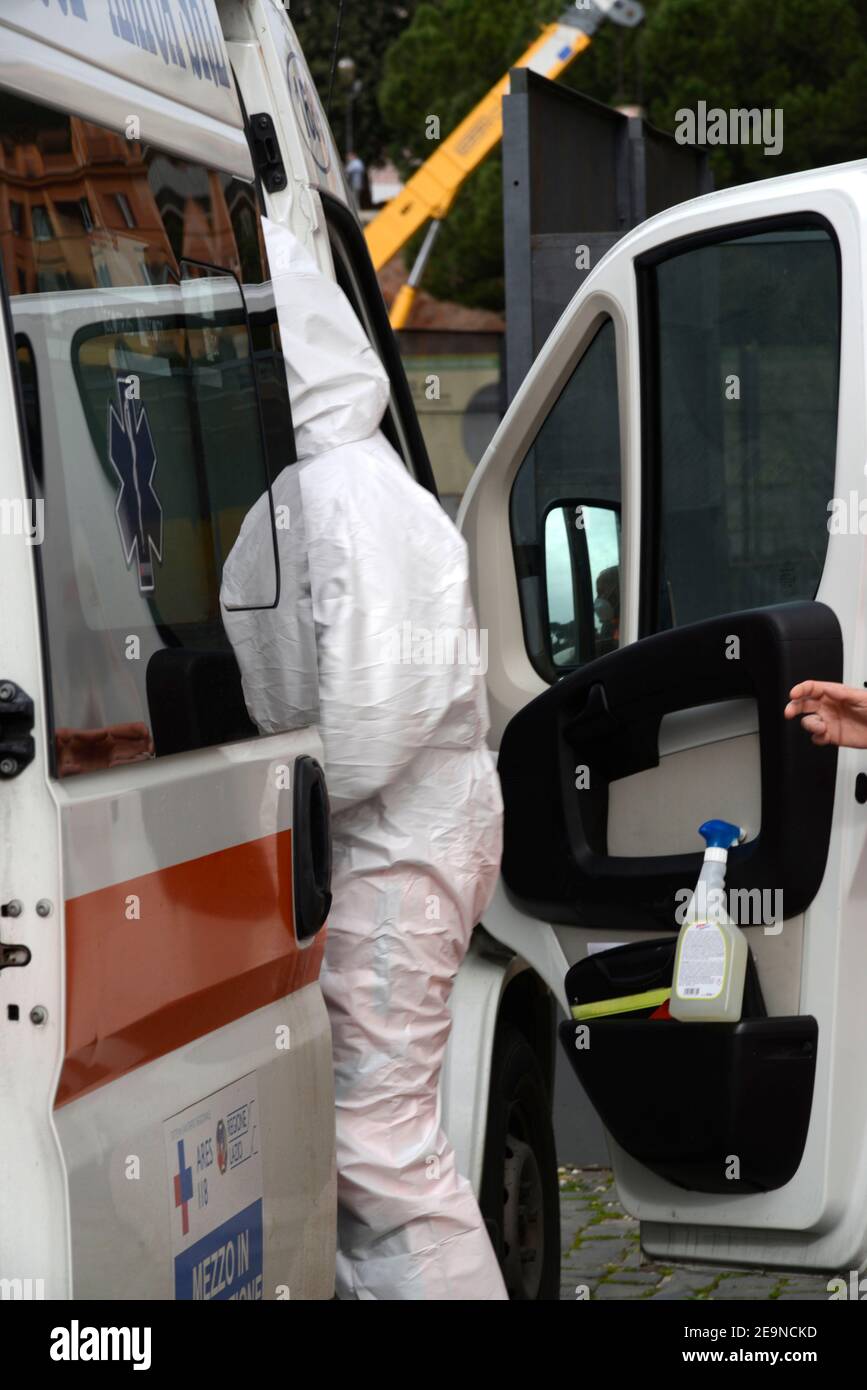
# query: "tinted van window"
{"type": "Point", "coordinates": [742, 365]}
{"type": "Point", "coordinates": [157, 410]}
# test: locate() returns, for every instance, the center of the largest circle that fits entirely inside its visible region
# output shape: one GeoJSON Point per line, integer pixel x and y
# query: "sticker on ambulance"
{"type": "Point", "coordinates": [133, 457]}
{"type": "Point", "coordinates": [305, 105]}
{"type": "Point", "coordinates": [214, 1157]}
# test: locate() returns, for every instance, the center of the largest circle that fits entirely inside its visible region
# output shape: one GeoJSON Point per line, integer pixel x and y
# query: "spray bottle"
{"type": "Point", "coordinates": [711, 962]}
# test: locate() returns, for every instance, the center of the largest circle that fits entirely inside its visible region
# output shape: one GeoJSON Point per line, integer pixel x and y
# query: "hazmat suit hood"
{"type": "Point", "coordinates": [337, 385]}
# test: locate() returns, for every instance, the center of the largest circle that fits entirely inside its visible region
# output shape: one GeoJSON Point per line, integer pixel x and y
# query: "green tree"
{"type": "Point", "coordinates": [446, 60]}
{"type": "Point", "coordinates": [442, 65]}
{"type": "Point", "coordinates": [611, 69]}
{"type": "Point", "coordinates": [808, 60]}
{"type": "Point", "coordinates": [366, 32]}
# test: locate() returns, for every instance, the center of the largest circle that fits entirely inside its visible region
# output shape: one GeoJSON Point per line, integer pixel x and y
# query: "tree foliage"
{"type": "Point", "coordinates": [369, 27]}
{"type": "Point", "coordinates": [445, 62]}
{"type": "Point", "coordinates": [807, 58]}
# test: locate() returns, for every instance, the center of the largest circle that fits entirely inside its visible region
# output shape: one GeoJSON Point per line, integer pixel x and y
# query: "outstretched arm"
{"type": "Point", "coordinates": [830, 713]}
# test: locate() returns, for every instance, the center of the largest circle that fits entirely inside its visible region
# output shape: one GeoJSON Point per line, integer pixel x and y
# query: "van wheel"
{"type": "Point", "coordinates": [520, 1195]}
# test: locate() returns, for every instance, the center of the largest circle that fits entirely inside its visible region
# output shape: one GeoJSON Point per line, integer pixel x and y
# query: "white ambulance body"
{"type": "Point", "coordinates": [166, 1097]}
{"type": "Point", "coordinates": [166, 1094]}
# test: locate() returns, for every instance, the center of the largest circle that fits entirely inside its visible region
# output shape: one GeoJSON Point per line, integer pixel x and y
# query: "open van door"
{"type": "Point", "coordinates": [665, 536]}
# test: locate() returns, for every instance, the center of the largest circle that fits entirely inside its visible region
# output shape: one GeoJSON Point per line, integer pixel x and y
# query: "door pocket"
{"type": "Point", "coordinates": [712, 1107]}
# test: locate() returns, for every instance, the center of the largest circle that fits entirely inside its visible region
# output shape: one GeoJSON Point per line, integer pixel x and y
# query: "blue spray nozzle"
{"type": "Point", "coordinates": [720, 834]}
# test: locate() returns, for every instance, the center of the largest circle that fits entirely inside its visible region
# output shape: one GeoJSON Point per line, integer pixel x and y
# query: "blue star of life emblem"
{"type": "Point", "coordinates": [133, 457]}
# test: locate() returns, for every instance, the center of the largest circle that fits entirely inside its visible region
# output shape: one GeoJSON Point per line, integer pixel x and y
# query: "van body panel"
{"type": "Point", "coordinates": [66, 80]}
{"type": "Point", "coordinates": [124, 1219]}
{"type": "Point", "coordinates": [34, 1198]}
{"type": "Point", "coordinates": [173, 48]}
{"type": "Point", "coordinates": [167, 969]}
{"type": "Point", "coordinates": [179, 913]}
{"type": "Point", "coordinates": [313, 150]}
{"type": "Point", "coordinates": [273, 77]}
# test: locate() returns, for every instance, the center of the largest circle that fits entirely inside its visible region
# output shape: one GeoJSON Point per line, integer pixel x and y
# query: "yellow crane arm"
{"type": "Point", "coordinates": [433, 188]}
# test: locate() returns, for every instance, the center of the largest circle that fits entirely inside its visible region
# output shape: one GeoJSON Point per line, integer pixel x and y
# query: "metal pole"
{"type": "Point", "coordinates": [425, 249]}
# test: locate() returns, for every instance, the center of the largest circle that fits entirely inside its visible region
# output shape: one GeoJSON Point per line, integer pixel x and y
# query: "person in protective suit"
{"type": "Point", "coordinates": [416, 804]}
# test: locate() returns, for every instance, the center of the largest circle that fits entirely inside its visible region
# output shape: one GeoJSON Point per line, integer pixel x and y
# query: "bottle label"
{"type": "Point", "coordinates": [701, 962]}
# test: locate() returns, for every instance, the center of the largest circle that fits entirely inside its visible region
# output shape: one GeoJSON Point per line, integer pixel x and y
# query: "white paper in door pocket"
{"type": "Point", "coordinates": [215, 1195]}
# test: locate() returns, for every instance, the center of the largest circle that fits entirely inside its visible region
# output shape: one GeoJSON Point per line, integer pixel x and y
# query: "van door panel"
{"type": "Point", "coordinates": [603, 721]}
{"type": "Point", "coordinates": [123, 1211]}
{"type": "Point", "coordinates": [179, 906]}
{"type": "Point", "coordinates": [764, 415]}
{"type": "Point", "coordinates": [176, 980]}
{"type": "Point", "coordinates": [657, 811]}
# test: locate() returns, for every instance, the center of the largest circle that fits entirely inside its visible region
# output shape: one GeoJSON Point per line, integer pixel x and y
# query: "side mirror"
{"type": "Point", "coordinates": [582, 581]}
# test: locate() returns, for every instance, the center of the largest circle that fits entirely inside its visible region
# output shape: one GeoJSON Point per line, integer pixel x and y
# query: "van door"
{"type": "Point", "coordinates": [665, 536]}
{"type": "Point", "coordinates": [166, 1049]}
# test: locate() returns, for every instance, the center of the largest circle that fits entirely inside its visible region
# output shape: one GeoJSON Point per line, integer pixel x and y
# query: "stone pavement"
{"type": "Point", "coordinates": [600, 1250]}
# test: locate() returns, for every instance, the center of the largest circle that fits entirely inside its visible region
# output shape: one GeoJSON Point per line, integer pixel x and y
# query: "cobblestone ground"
{"type": "Point", "coordinates": [600, 1250]}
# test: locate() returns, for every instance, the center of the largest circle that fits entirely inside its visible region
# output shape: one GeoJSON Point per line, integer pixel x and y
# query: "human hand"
{"type": "Point", "coordinates": [830, 713]}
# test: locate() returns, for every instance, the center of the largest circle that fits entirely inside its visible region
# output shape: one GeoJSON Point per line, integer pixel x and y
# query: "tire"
{"type": "Point", "coordinates": [520, 1197]}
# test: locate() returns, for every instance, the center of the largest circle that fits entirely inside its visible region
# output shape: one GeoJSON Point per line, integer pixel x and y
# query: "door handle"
{"type": "Point", "coordinates": [311, 847]}
{"type": "Point", "coordinates": [594, 717]}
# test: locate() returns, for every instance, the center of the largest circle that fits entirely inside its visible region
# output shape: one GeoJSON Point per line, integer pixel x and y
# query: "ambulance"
{"type": "Point", "coordinates": [166, 1089]}
{"type": "Point", "coordinates": [664, 535]}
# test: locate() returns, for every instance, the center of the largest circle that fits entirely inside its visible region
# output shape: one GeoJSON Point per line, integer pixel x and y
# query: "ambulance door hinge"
{"type": "Point", "coordinates": [266, 153]}
{"type": "Point", "coordinates": [16, 730]}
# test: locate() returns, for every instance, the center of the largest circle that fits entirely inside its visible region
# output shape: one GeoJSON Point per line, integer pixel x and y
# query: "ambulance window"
{"type": "Point", "coordinates": [565, 519]}
{"type": "Point", "coordinates": [741, 368]}
{"type": "Point", "coordinates": [156, 411]}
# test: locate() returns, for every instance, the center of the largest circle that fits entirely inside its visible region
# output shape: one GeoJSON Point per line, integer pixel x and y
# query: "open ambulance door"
{"type": "Point", "coordinates": [166, 1081]}
{"type": "Point", "coordinates": [658, 556]}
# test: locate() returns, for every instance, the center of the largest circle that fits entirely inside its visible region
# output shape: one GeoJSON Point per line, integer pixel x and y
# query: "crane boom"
{"type": "Point", "coordinates": [432, 189]}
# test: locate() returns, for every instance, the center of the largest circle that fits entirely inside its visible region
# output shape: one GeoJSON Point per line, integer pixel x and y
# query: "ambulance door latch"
{"type": "Point", "coordinates": [13, 955]}
{"type": "Point", "coordinates": [16, 729]}
{"type": "Point", "coordinates": [266, 152]}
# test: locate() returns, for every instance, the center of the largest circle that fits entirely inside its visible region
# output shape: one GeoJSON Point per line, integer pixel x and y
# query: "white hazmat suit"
{"type": "Point", "coordinates": [417, 811]}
